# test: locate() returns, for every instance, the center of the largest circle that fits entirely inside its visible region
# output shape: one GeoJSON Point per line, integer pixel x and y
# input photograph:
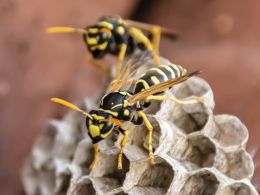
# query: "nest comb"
{"type": "Point", "coordinates": [196, 153]}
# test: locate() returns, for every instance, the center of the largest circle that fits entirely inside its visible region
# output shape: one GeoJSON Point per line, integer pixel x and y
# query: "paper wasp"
{"type": "Point", "coordinates": [114, 35]}
{"type": "Point", "coordinates": [119, 106]}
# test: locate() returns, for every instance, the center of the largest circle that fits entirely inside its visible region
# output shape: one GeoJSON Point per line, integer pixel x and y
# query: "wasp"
{"type": "Point", "coordinates": [116, 36]}
{"type": "Point", "coordinates": [118, 106]}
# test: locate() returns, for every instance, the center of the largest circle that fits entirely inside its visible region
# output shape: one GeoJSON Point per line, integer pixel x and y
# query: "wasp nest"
{"type": "Point", "coordinates": [196, 152]}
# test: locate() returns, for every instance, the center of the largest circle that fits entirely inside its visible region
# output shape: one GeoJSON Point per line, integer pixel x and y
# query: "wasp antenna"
{"type": "Point", "coordinates": [194, 73]}
{"type": "Point", "coordinates": [70, 105]}
{"type": "Point", "coordinates": [65, 30]}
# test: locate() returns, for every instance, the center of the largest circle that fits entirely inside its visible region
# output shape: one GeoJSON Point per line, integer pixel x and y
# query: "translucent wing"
{"type": "Point", "coordinates": [128, 70]}
{"type": "Point", "coordinates": [159, 88]}
{"type": "Point", "coordinates": [148, 27]}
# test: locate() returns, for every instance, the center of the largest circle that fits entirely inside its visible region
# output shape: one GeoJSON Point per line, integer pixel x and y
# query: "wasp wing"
{"type": "Point", "coordinates": [159, 88]}
{"type": "Point", "coordinates": [128, 71]}
{"type": "Point", "coordinates": [148, 27]}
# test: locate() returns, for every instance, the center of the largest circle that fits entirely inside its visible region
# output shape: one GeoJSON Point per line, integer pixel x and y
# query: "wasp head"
{"type": "Point", "coordinates": [97, 40]}
{"type": "Point", "coordinates": [100, 125]}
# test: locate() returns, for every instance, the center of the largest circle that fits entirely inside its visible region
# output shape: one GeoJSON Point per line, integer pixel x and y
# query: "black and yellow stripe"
{"type": "Point", "coordinates": [158, 75]}
{"type": "Point", "coordinates": [106, 36]}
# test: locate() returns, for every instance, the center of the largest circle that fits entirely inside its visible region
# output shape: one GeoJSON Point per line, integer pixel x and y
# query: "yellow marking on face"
{"type": "Point", "coordinates": [97, 117]}
{"type": "Point", "coordinates": [92, 30]}
{"type": "Point", "coordinates": [90, 122]}
{"type": "Point", "coordinates": [106, 24]}
{"type": "Point", "coordinates": [155, 80]}
{"type": "Point", "coordinates": [92, 40]}
{"type": "Point", "coordinates": [126, 112]}
{"type": "Point", "coordinates": [94, 130]}
{"type": "Point", "coordinates": [109, 112]}
{"type": "Point", "coordinates": [105, 135]}
{"type": "Point", "coordinates": [101, 125]}
{"type": "Point", "coordinates": [121, 30]}
{"type": "Point", "coordinates": [145, 84]}
{"type": "Point", "coordinates": [161, 73]}
{"type": "Point", "coordinates": [101, 46]}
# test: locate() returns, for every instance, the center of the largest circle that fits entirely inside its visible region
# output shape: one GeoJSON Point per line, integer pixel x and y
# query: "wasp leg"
{"type": "Point", "coordinates": [150, 135]}
{"type": "Point", "coordinates": [100, 67]}
{"type": "Point", "coordinates": [141, 38]}
{"type": "Point", "coordinates": [96, 151]}
{"type": "Point", "coordinates": [121, 57]}
{"type": "Point", "coordinates": [181, 102]}
{"type": "Point", "coordinates": [122, 144]}
{"type": "Point", "coordinates": [156, 33]}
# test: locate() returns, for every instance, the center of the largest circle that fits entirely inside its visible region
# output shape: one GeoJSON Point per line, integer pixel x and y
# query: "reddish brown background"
{"type": "Point", "coordinates": [221, 37]}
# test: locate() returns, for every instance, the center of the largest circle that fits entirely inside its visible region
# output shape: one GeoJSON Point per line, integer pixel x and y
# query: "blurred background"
{"type": "Point", "coordinates": [220, 37]}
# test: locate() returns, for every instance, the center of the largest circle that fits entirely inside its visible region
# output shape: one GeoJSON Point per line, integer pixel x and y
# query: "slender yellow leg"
{"type": "Point", "coordinates": [121, 57]}
{"type": "Point", "coordinates": [96, 151]}
{"type": "Point", "coordinates": [150, 135]}
{"type": "Point", "coordinates": [120, 155]}
{"type": "Point", "coordinates": [141, 38]}
{"type": "Point", "coordinates": [100, 67]}
{"type": "Point", "coordinates": [156, 33]}
{"type": "Point", "coordinates": [181, 102]}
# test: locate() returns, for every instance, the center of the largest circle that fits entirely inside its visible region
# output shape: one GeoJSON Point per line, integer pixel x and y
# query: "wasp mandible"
{"type": "Point", "coordinates": [116, 36]}
{"type": "Point", "coordinates": [119, 106]}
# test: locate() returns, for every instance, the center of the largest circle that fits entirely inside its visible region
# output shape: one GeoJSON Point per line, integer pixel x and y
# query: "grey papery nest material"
{"type": "Point", "coordinates": [196, 152]}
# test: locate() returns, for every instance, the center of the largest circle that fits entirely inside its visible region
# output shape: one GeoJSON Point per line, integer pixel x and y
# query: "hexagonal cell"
{"type": "Point", "coordinates": [236, 164]}
{"type": "Point", "coordinates": [229, 131]}
{"type": "Point", "coordinates": [202, 150]}
{"type": "Point", "coordinates": [81, 188]}
{"type": "Point", "coordinates": [238, 188]}
{"type": "Point", "coordinates": [203, 182]}
{"type": "Point", "coordinates": [105, 175]}
{"type": "Point", "coordinates": [30, 180]}
{"type": "Point", "coordinates": [84, 154]}
{"type": "Point", "coordinates": [62, 183]}
{"type": "Point", "coordinates": [137, 144]}
{"type": "Point", "coordinates": [150, 179]}
{"type": "Point", "coordinates": [188, 118]}
{"type": "Point", "coordinates": [43, 147]}
{"type": "Point", "coordinates": [66, 140]}
{"type": "Point", "coordinates": [195, 86]}
{"type": "Point", "coordinates": [195, 148]}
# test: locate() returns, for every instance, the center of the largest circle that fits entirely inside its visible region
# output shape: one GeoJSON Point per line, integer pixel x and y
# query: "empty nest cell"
{"type": "Point", "coordinates": [236, 164]}
{"type": "Point", "coordinates": [81, 189]}
{"type": "Point", "coordinates": [202, 150]}
{"type": "Point", "coordinates": [195, 87]}
{"type": "Point", "coordinates": [154, 180]}
{"type": "Point", "coordinates": [105, 173]}
{"type": "Point", "coordinates": [201, 183]}
{"type": "Point", "coordinates": [42, 151]}
{"type": "Point", "coordinates": [237, 188]}
{"type": "Point", "coordinates": [230, 131]}
{"type": "Point", "coordinates": [137, 144]}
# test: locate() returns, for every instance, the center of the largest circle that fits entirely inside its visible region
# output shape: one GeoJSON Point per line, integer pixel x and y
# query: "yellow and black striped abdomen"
{"type": "Point", "coordinates": [158, 75]}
